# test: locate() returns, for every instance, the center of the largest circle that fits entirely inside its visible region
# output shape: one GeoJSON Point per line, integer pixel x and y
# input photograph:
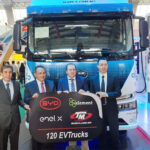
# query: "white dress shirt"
{"type": "Point", "coordinates": [105, 80]}
{"type": "Point", "coordinates": [69, 84]}
{"type": "Point", "coordinates": [11, 87]}
{"type": "Point", "coordinates": [39, 85]}
{"type": "Point", "coordinates": [15, 69]}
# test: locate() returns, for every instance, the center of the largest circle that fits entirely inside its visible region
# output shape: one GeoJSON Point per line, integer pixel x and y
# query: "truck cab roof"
{"type": "Point", "coordinates": [78, 6]}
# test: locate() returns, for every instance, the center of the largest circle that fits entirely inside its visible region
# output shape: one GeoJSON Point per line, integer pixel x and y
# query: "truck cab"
{"type": "Point", "coordinates": [82, 32]}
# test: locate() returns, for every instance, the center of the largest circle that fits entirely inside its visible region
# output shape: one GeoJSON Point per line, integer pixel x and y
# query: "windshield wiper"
{"type": "Point", "coordinates": [97, 53]}
{"type": "Point", "coordinates": [109, 53]}
{"type": "Point", "coordinates": [60, 54]}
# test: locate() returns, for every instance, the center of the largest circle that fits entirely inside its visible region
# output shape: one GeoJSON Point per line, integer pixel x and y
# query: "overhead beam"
{"type": "Point", "coordinates": [6, 2]}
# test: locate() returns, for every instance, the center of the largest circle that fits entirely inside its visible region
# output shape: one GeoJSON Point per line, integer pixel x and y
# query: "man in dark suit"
{"type": "Point", "coordinates": [10, 99]}
{"type": "Point", "coordinates": [73, 83]}
{"type": "Point", "coordinates": [79, 82]}
{"type": "Point", "coordinates": [107, 88]}
{"type": "Point", "coordinates": [32, 90]}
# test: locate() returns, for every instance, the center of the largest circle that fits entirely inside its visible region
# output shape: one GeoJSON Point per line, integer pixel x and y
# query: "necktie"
{"type": "Point", "coordinates": [8, 89]}
{"type": "Point", "coordinates": [103, 85]}
{"type": "Point", "coordinates": [72, 85]}
{"type": "Point", "coordinates": [42, 88]}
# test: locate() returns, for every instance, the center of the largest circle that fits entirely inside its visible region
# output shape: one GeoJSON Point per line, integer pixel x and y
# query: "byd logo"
{"type": "Point", "coordinates": [50, 103]}
{"type": "Point", "coordinates": [81, 116]}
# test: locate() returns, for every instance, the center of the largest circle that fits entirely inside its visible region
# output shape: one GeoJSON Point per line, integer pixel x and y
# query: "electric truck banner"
{"type": "Point", "coordinates": [65, 117]}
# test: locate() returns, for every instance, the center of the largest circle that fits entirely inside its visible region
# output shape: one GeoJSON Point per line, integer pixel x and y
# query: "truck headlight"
{"type": "Point", "coordinates": [130, 105]}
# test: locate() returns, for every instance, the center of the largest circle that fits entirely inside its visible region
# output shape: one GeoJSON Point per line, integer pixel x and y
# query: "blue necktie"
{"type": "Point", "coordinates": [8, 90]}
{"type": "Point", "coordinates": [103, 85]}
{"type": "Point", "coordinates": [72, 85]}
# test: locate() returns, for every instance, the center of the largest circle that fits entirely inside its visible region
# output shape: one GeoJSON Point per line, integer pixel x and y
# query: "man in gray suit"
{"type": "Point", "coordinates": [10, 99]}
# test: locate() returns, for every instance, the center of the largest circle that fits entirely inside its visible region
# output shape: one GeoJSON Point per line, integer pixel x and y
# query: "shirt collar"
{"type": "Point", "coordinates": [105, 75]}
{"type": "Point", "coordinates": [39, 82]}
{"type": "Point", "coordinates": [70, 78]}
{"type": "Point", "coordinates": [7, 82]}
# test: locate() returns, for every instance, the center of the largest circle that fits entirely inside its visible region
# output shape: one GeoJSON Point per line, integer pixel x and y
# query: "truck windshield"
{"type": "Point", "coordinates": [87, 38]}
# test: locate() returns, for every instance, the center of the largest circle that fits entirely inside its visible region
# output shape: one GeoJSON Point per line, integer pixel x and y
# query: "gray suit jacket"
{"type": "Point", "coordinates": [9, 110]}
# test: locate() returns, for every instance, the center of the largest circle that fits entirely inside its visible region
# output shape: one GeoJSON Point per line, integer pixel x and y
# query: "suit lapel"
{"type": "Point", "coordinates": [47, 86]}
{"type": "Point", "coordinates": [78, 83]}
{"type": "Point", "coordinates": [2, 85]}
{"type": "Point", "coordinates": [66, 83]}
{"type": "Point", "coordinates": [15, 91]}
{"type": "Point", "coordinates": [3, 89]}
{"type": "Point", "coordinates": [108, 82]}
{"type": "Point", "coordinates": [36, 88]}
{"type": "Point", "coordinates": [97, 82]}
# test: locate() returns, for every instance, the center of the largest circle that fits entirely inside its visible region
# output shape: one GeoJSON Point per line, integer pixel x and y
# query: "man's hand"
{"type": "Point", "coordinates": [27, 107]}
{"type": "Point", "coordinates": [102, 94]}
{"type": "Point", "coordinates": [35, 95]}
{"type": "Point", "coordinates": [81, 91]}
{"type": "Point", "coordinates": [59, 92]}
{"type": "Point", "coordinates": [67, 92]}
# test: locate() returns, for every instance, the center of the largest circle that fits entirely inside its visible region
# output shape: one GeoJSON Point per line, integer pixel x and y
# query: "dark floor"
{"type": "Point", "coordinates": [133, 141]}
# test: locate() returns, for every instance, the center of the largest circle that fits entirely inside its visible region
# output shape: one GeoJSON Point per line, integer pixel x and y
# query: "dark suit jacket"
{"type": "Point", "coordinates": [81, 83]}
{"type": "Point", "coordinates": [32, 88]}
{"type": "Point", "coordinates": [9, 110]}
{"type": "Point", "coordinates": [113, 88]}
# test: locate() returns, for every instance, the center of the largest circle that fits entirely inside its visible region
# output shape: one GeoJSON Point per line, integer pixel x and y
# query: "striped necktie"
{"type": "Point", "coordinates": [42, 88]}
{"type": "Point", "coordinates": [8, 90]}
{"type": "Point", "coordinates": [72, 85]}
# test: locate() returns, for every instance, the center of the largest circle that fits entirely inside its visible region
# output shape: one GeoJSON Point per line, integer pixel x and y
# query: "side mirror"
{"type": "Point", "coordinates": [143, 31]}
{"type": "Point", "coordinates": [17, 37]}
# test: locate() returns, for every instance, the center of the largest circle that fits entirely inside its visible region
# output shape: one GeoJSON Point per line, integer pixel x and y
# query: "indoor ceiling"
{"type": "Point", "coordinates": [144, 2]}
{"type": "Point", "coordinates": [14, 3]}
